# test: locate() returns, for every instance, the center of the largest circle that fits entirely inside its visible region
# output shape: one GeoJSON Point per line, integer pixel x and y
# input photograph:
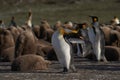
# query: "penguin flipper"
{"type": "Point", "coordinates": [76, 40]}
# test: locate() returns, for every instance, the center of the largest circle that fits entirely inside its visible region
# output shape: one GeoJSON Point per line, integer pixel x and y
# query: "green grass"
{"type": "Point", "coordinates": [78, 12]}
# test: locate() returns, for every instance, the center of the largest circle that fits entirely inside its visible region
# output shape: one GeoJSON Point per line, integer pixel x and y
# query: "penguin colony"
{"type": "Point", "coordinates": [88, 39]}
{"type": "Point", "coordinates": [63, 47]}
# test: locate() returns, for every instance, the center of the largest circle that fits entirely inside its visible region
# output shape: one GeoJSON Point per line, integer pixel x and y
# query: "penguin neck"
{"type": "Point", "coordinates": [30, 23]}
{"type": "Point", "coordinates": [95, 25]}
{"type": "Point", "coordinates": [94, 30]}
{"type": "Point", "coordinates": [61, 31]}
{"type": "Point", "coordinates": [60, 35]}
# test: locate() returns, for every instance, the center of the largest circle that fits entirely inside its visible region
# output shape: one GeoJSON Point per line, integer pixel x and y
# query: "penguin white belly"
{"type": "Point", "coordinates": [98, 44]}
{"type": "Point", "coordinates": [98, 50]}
{"type": "Point", "coordinates": [62, 49]}
{"type": "Point", "coordinates": [95, 40]}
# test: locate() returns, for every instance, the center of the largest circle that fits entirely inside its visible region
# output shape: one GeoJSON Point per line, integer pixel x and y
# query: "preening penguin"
{"type": "Point", "coordinates": [62, 48]}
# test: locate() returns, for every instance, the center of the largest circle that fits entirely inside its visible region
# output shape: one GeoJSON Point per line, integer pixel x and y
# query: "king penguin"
{"type": "Point", "coordinates": [97, 39]}
{"type": "Point", "coordinates": [29, 21]}
{"type": "Point", "coordinates": [63, 48]}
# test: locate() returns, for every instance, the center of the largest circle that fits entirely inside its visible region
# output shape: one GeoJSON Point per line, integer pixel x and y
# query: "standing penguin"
{"type": "Point", "coordinates": [29, 21]}
{"type": "Point", "coordinates": [12, 22]}
{"type": "Point", "coordinates": [86, 46]}
{"type": "Point", "coordinates": [63, 49]}
{"type": "Point", "coordinates": [97, 39]}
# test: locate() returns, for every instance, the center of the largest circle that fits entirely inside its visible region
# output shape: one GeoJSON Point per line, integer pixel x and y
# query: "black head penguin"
{"type": "Point", "coordinates": [94, 21]}
{"type": "Point", "coordinates": [81, 26]}
{"type": "Point", "coordinates": [12, 22]}
{"type": "Point", "coordinates": [84, 25]}
{"type": "Point", "coordinates": [83, 36]}
{"type": "Point", "coordinates": [94, 18]}
{"type": "Point", "coordinates": [97, 39]}
{"type": "Point", "coordinates": [62, 48]}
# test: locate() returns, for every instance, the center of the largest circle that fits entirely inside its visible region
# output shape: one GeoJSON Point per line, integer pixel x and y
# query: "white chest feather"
{"type": "Point", "coordinates": [62, 49]}
{"type": "Point", "coordinates": [95, 40]}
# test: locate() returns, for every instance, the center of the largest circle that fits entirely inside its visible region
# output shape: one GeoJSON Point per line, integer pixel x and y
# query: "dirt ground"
{"type": "Point", "coordinates": [86, 70]}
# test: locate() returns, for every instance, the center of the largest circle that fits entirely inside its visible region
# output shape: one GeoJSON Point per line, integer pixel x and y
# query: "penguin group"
{"type": "Point", "coordinates": [86, 36]}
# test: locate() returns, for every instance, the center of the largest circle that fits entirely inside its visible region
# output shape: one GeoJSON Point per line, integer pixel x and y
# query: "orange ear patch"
{"type": "Point", "coordinates": [62, 31]}
{"type": "Point", "coordinates": [95, 19]}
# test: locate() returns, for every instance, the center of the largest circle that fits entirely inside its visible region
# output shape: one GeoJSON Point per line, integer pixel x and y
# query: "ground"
{"type": "Point", "coordinates": [86, 70]}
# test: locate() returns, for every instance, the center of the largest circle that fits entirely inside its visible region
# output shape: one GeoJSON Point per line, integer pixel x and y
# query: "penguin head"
{"type": "Point", "coordinates": [13, 18]}
{"type": "Point", "coordinates": [30, 12]}
{"type": "Point", "coordinates": [68, 25]}
{"type": "Point", "coordinates": [94, 18]}
{"type": "Point", "coordinates": [82, 26]}
{"type": "Point", "coordinates": [61, 30]}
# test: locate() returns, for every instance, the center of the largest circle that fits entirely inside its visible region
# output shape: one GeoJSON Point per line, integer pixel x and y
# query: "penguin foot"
{"type": "Point", "coordinates": [105, 60]}
{"type": "Point", "coordinates": [65, 70]}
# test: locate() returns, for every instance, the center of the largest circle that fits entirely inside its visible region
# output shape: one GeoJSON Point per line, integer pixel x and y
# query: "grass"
{"type": "Point", "coordinates": [77, 12]}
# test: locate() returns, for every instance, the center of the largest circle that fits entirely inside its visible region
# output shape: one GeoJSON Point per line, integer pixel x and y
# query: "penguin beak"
{"type": "Point", "coordinates": [63, 31]}
{"type": "Point", "coordinates": [74, 31]}
{"type": "Point", "coordinates": [71, 31]}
